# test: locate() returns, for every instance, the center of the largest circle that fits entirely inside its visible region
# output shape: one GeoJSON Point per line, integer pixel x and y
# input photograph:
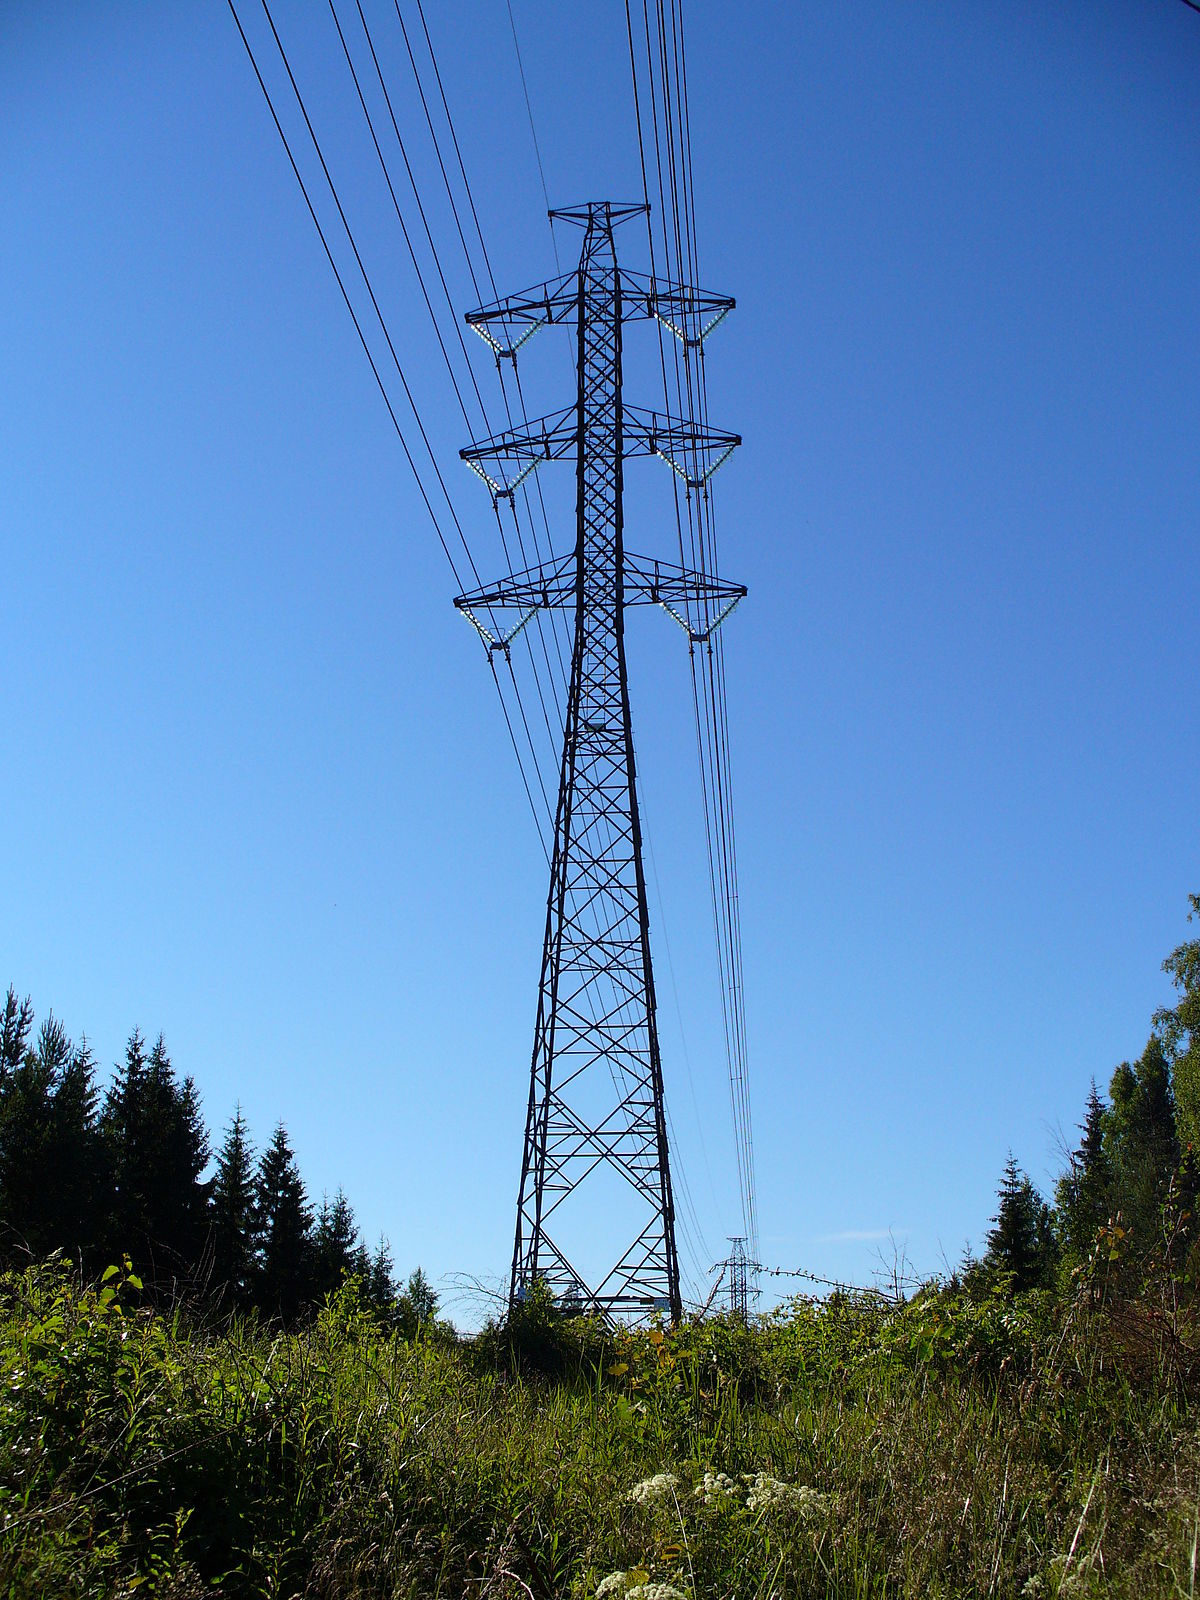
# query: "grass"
{"type": "Point", "coordinates": [950, 1446]}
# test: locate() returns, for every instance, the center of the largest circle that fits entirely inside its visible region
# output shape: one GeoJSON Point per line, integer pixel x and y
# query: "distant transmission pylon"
{"type": "Point", "coordinates": [737, 1270]}
{"type": "Point", "coordinates": [595, 1214]}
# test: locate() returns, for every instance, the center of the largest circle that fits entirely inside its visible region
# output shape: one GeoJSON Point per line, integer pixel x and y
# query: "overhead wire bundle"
{"type": "Point", "coordinates": [534, 726]}
{"type": "Point", "coordinates": [658, 68]}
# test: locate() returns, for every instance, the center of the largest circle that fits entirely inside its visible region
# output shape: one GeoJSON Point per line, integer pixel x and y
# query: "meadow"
{"type": "Point", "coordinates": [960, 1441]}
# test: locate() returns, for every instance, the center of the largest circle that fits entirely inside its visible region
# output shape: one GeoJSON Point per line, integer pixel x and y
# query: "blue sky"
{"type": "Point", "coordinates": [258, 794]}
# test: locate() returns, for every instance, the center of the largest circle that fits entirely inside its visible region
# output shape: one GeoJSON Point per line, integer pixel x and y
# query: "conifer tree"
{"type": "Point", "coordinates": [159, 1148]}
{"type": "Point", "coordinates": [51, 1176]}
{"type": "Point", "coordinates": [360, 1266]}
{"type": "Point", "coordinates": [233, 1215]}
{"type": "Point", "coordinates": [1178, 1027]}
{"type": "Point", "coordinates": [284, 1225]}
{"type": "Point", "coordinates": [16, 1022]}
{"type": "Point", "coordinates": [381, 1281]}
{"type": "Point", "coordinates": [334, 1244]}
{"type": "Point", "coordinates": [1086, 1193]}
{"type": "Point", "coordinates": [416, 1305]}
{"type": "Point", "coordinates": [1020, 1243]}
{"type": "Point", "coordinates": [1141, 1141]}
{"type": "Point", "coordinates": [26, 1099]}
{"type": "Point", "coordinates": [15, 1025]}
{"type": "Point", "coordinates": [186, 1152]}
{"type": "Point", "coordinates": [122, 1124]}
{"type": "Point", "coordinates": [74, 1204]}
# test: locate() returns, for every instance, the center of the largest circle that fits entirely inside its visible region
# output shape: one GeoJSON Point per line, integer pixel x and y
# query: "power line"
{"type": "Point", "coordinates": [345, 296]}
{"type": "Point", "coordinates": [528, 108]}
{"type": "Point", "coordinates": [436, 260]}
{"type": "Point", "coordinates": [666, 82]}
{"type": "Point", "coordinates": [471, 269]}
{"type": "Point", "coordinates": [367, 281]}
{"type": "Point", "coordinates": [387, 178]}
{"type": "Point", "coordinates": [457, 151]}
{"type": "Point", "coordinates": [426, 297]}
{"type": "Point", "coordinates": [321, 234]}
{"type": "Point", "coordinates": [593, 915]}
{"type": "Point", "coordinates": [706, 754]}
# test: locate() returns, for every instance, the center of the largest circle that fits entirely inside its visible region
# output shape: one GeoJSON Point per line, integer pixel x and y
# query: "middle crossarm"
{"type": "Point", "coordinates": [646, 583]}
{"type": "Point", "coordinates": [692, 451]}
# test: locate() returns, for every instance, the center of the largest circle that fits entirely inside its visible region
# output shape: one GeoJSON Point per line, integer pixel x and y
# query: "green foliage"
{"type": "Point", "coordinates": [1141, 1140]}
{"type": "Point", "coordinates": [1178, 1027]}
{"type": "Point", "coordinates": [335, 1246]}
{"type": "Point", "coordinates": [413, 1311]}
{"type": "Point", "coordinates": [1020, 1245]}
{"type": "Point", "coordinates": [130, 1174]}
{"type": "Point", "coordinates": [158, 1148]}
{"type": "Point", "coordinates": [537, 1337]}
{"type": "Point", "coordinates": [1087, 1192]}
{"type": "Point", "coordinates": [233, 1215]}
{"type": "Point", "coordinates": [380, 1280]}
{"type": "Point", "coordinates": [959, 1443]}
{"type": "Point", "coordinates": [284, 1230]}
{"type": "Point", "coordinates": [1015, 1431]}
{"type": "Point", "coordinates": [48, 1105]}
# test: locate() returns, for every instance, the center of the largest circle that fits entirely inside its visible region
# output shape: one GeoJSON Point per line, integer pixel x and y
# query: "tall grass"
{"type": "Point", "coordinates": [937, 1448]}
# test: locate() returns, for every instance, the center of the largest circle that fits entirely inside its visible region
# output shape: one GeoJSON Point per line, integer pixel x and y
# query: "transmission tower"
{"type": "Point", "coordinates": [595, 1155]}
{"type": "Point", "coordinates": [737, 1269]}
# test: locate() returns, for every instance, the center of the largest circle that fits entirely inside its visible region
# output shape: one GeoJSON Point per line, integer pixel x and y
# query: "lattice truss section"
{"type": "Point", "coordinates": [596, 1088]}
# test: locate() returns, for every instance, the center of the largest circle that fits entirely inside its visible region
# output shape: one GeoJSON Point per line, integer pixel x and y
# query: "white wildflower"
{"type": "Point", "coordinates": [769, 1494]}
{"type": "Point", "coordinates": [717, 1489]}
{"type": "Point", "coordinates": [655, 1591]}
{"type": "Point", "coordinates": [651, 1490]}
{"type": "Point", "coordinates": [810, 1503]}
{"type": "Point", "coordinates": [613, 1584]}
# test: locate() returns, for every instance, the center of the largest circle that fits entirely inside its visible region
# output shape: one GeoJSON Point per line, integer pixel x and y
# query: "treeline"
{"type": "Point", "coordinates": [1126, 1201]}
{"type": "Point", "coordinates": [130, 1172]}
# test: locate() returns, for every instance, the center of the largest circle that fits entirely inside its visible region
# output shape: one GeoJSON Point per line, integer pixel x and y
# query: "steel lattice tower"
{"type": "Point", "coordinates": [739, 1267]}
{"type": "Point", "coordinates": [596, 1089]}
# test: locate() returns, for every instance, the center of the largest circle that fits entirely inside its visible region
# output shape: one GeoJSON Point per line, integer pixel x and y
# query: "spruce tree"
{"type": "Point", "coordinates": [1020, 1243]}
{"type": "Point", "coordinates": [26, 1098]}
{"type": "Point", "coordinates": [360, 1265]}
{"type": "Point", "coordinates": [74, 1204]}
{"type": "Point", "coordinates": [1178, 1027]}
{"type": "Point", "coordinates": [15, 1025]}
{"type": "Point", "coordinates": [334, 1244]}
{"type": "Point", "coordinates": [381, 1281]}
{"type": "Point", "coordinates": [232, 1212]}
{"type": "Point", "coordinates": [1141, 1141]}
{"type": "Point", "coordinates": [190, 1152]}
{"type": "Point", "coordinates": [122, 1123]}
{"type": "Point", "coordinates": [416, 1305]}
{"type": "Point", "coordinates": [15, 1133]}
{"type": "Point", "coordinates": [284, 1225]}
{"type": "Point", "coordinates": [1086, 1193]}
{"type": "Point", "coordinates": [51, 1174]}
{"type": "Point", "coordinates": [159, 1148]}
